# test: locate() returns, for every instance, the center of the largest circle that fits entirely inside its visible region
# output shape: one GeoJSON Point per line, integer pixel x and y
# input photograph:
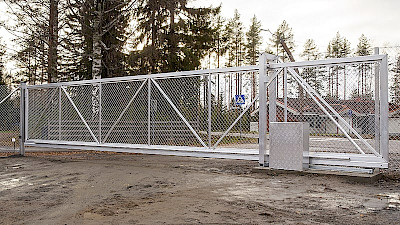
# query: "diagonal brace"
{"type": "Point", "coordinates": [123, 111]}
{"type": "Point", "coordinates": [9, 95]}
{"type": "Point", "coordinates": [311, 91]}
{"type": "Point", "coordinates": [79, 114]}
{"type": "Point", "coordinates": [234, 123]}
{"type": "Point", "coordinates": [179, 113]}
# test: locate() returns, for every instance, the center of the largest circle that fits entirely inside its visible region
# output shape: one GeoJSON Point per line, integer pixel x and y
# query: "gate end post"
{"type": "Point", "coordinates": [22, 120]}
{"type": "Point", "coordinates": [262, 115]}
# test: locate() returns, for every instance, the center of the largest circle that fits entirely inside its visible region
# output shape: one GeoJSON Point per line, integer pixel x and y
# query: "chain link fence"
{"type": "Point", "coordinates": [348, 88]}
{"type": "Point", "coordinates": [193, 111]}
{"type": "Point", "coordinates": [393, 54]}
{"type": "Point", "coordinates": [10, 117]}
{"type": "Point", "coordinates": [215, 110]}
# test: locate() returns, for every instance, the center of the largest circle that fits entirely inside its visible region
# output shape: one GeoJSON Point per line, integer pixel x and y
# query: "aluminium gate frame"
{"type": "Point", "coordinates": [207, 147]}
{"type": "Point", "coordinates": [268, 74]}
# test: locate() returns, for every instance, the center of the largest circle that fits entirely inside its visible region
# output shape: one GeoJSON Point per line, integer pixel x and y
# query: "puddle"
{"type": "Point", "coordinates": [375, 204]}
{"type": "Point", "coordinates": [11, 183]}
{"type": "Point", "coordinates": [392, 199]}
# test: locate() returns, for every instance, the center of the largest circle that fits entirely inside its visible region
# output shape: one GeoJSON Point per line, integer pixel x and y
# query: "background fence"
{"type": "Point", "coordinates": [9, 119]}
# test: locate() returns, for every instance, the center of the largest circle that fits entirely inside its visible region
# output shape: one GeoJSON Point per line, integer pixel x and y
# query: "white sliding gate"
{"type": "Point", "coordinates": [189, 113]}
{"type": "Point", "coordinates": [197, 113]}
{"type": "Point", "coordinates": [345, 102]}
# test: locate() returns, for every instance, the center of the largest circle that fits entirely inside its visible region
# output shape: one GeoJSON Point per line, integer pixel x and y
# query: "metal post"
{"type": "Point", "coordinates": [377, 102]}
{"type": "Point", "coordinates": [22, 119]}
{"type": "Point", "coordinates": [59, 113]}
{"type": "Point", "coordinates": [26, 110]}
{"type": "Point", "coordinates": [272, 91]}
{"type": "Point", "coordinates": [100, 87]}
{"type": "Point", "coordinates": [384, 109]}
{"type": "Point", "coordinates": [285, 93]}
{"type": "Point", "coordinates": [262, 127]}
{"type": "Point", "coordinates": [148, 112]}
{"type": "Point", "coordinates": [209, 109]}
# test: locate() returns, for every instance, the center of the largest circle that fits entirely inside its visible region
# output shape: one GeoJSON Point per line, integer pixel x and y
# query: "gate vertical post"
{"type": "Point", "coordinates": [148, 111]}
{"type": "Point", "coordinates": [285, 94]}
{"type": "Point", "coordinates": [272, 95]}
{"type": "Point", "coordinates": [377, 102]}
{"type": "Point", "coordinates": [100, 109]}
{"type": "Point", "coordinates": [22, 120]}
{"type": "Point", "coordinates": [384, 109]}
{"type": "Point", "coordinates": [262, 116]}
{"type": "Point", "coordinates": [209, 108]}
{"type": "Point", "coordinates": [59, 113]}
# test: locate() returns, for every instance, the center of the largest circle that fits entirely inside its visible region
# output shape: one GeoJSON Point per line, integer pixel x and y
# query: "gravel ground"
{"type": "Point", "coordinates": [113, 188]}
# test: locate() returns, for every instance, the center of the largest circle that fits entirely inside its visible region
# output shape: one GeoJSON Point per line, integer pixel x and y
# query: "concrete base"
{"type": "Point", "coordinates": [350, 176]}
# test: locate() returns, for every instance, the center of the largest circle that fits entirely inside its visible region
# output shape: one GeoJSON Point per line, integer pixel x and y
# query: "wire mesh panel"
{"type": "Point", "coordinates": [337, 101]}
{"type": "Point", "coordinates": [234, 102]}
{"type": "Point", "coordinates": [43, 111]}
{"type": "Point", "coordinates": [175, 112]}
{"type": "Point", "coordinates": [125, 112]}
{"type": "Point", "coordinates": [9, 122]}
{"type": "Point", "coordinates": [189, 109]}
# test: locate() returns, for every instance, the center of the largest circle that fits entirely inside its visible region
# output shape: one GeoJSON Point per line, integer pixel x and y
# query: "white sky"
{"type": "Point", "coordinates": [321, 19]}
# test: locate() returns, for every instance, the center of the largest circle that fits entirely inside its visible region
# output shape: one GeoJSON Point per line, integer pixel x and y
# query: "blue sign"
{"type": "Point", "coordinates": [239, 100]}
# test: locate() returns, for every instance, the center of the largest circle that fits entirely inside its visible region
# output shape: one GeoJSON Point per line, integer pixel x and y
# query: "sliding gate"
{"type": "Point", "coordinates": [194, 113]}
{"type": "Point", "coordinates": [345, 102]}
{"type": "Point", "coordinates": [220, 113]}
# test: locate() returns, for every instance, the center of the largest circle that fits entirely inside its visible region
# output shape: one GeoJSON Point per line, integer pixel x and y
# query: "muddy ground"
{"type": "Point", "coordinates": [109, 188]}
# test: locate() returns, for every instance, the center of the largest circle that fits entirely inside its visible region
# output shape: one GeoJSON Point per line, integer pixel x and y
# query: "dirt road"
{"type": "Point", "coordinates": [108, 188]}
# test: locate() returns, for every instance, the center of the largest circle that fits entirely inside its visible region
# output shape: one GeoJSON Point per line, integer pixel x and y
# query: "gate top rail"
{"type": "Point", "coordinates": [154, 76]}
{"type": "Point", "coordinates": [328, 62]}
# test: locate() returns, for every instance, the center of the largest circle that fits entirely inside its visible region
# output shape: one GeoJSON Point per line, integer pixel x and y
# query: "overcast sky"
{"type": "Point", "coordinates": [321, 19]}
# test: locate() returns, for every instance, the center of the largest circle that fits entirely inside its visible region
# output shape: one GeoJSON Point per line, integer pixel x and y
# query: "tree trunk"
{"type": "Point", "coordinates": [97, 58]}
{"type": "Point", "coordinates": [53, 42]}
{"type": "Point", "coordinates": [96, 66]}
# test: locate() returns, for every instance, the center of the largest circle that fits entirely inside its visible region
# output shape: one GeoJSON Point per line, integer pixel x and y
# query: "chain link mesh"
{"type": "Point", "coordinates": [213, 110]}
{"type": "Point", "coordinates": [9, 122]}
{"type": "Point", "coordinates": [348, 89]}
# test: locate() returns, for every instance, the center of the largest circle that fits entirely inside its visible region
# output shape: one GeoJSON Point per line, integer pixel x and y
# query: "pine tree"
{"type": "Point", "coordinates": [254, 41]}
{"type": "Point", "coordinates": [311, 74]}
{"type": "Point", "coordinates": [338, 47]}
{"type": "Point", "coordinates": [235, 33]}
{"type": "Point", "coordinates": [236, 52]}
{"type": "Point", "coordinates": [220, 40]}
{"type": "Point", "coordinates": [219, 48]}
{"type": "Point", "coordinates": [363, 49]}
{"type": "Point", "coordinates": [283, 33]}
